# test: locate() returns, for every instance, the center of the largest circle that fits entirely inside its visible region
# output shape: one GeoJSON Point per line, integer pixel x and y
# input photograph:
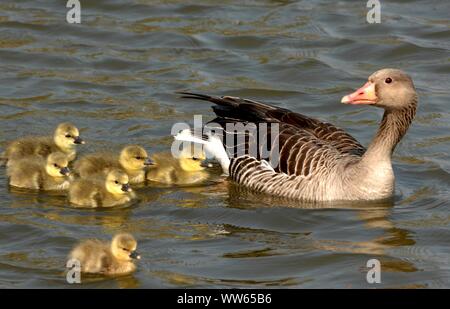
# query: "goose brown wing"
{"type": "Point", "coordinates": [302, 153]}
{"type": "Point", "coordinates": [304, 133]}
{"type": "Point", "coordinates": [327, 132]}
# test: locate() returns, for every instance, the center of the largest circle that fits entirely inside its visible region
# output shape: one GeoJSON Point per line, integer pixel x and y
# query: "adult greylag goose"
{"type": "Point", "coordinates": [316, 160]}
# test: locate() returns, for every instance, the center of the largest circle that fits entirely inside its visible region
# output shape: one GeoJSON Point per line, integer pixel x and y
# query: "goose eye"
{"type": "Point", "coordinates": [116, 182]}
{"type": "Point", "coordinates": [55, 165]}
{"type": "Point", "coordinates": [194, 158]}
{"type": "Point", "coordinates": [68, 135]}
{"type": "Point", "coordinates": [125, 249]}
{"type": "Point", "coordinates": [138, 158]}
{"type": "Point", "coordinates": [388, 80]}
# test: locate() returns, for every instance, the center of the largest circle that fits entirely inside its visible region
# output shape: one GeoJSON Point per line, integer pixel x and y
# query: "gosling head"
{"type": "Point", "coordinates": [134, 158]}
{"type": "Point", "coordinates": [390, 89]}
{"type": "Point", "coordinates": [57, 165]}
{"type": "Point", "coordinates": [117, 182]}
{"type": "Point", "coordinates": [123, 247]}
{"type": "Point", "coordinates": [67, 136]}
{"type": "Point", "coordinates": [192, 160]}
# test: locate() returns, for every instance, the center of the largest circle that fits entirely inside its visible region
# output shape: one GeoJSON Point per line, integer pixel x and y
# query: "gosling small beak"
{"type": "Point", "coordinates": [78, 140]}
{"type": "Point", "coordinates": [126, 188]}
{"type": "Point", "coordinates": [65, 171]}
{"type": "Point", "coordinates": [149, 161]}
{"type": "Point", "coordinates": [364, 95]}
{"type": "Point", "coordinates": [206, 163]}
{"type": "Point", "coordinates": [135, 255]}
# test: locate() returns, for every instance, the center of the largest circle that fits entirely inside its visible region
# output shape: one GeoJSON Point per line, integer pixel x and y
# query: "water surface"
{"type": "Point", "coordinates": [115, 75]}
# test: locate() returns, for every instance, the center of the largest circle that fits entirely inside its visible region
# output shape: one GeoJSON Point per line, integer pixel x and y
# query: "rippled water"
{"type": "Point", "coordinates": [115, 75]}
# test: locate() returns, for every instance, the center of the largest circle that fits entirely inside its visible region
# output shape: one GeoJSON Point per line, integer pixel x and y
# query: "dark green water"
{"type": "Point", "coordinates": [114, 76]}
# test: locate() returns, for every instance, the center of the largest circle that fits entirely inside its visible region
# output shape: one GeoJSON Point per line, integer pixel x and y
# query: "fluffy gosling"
{"type": "Point", "coordinates": [109, 191]}
{"type": "Point", "coordinates": [108, 258]}
{"type": "Point", "coordinates": [185, 170]}
{"type": "Point", "coordinates": [36, 173]}
{"type": "Point", "coordinates": [132, 159]}
{"type": "Point", "coordinates": [65, 138]}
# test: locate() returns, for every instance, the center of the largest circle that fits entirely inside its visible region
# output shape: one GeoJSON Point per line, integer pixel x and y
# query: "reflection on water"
{"type": "Point", "coordinates": [115, 76]}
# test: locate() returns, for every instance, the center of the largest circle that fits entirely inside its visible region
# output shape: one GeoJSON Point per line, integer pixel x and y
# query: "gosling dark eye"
{"type": "Point", "coordinates": [55, 165]}
{"type": "Point", "coordinates": [68, 135]}
{"type": "Point", "coordinates": [139, 158]}
{"type": "Point", "coordinates": [195, 159]}
{"type": "Point", "coordinates": [124, 249]}
{"type": "Point", "coordinates": [116, 182]}
{"type": "Point", "coordinates": [388, 80]}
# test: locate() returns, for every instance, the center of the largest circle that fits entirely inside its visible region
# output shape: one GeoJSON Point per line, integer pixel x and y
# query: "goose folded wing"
{"type": "Point", "coordinates": [234, 109]}
{"type": "Point", "coordinates": [327, 132]}
{"type": "Point", "coordinates": [301, 153]}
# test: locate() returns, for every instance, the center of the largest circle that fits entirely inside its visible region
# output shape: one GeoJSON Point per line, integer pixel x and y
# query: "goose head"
{"type": "Point", "coordinates": [123, 247]}
{"type": "Point", "coordinates": [117, 182]}
{"type": "Point", "coordinates": [134, 158]}
{"type": "Point", "coordinates": [390, 89]}
{"type": "Point", "coordinates": [57, 165]}
{"type": "Point", "coordinates": [67, 136]}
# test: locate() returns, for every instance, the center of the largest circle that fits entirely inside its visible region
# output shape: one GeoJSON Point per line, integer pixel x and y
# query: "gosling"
{"type": "Point", "coordinates": [187, 169]}
{"type": "Point", "coordinates": [132, 159]}
{"type": "Point", "coordinates": [65, 138]}
{"type": "Point", "coordinates": [107, 258]}
{"type": "Point", "coordinates": [109, 191]}
{"type": "Point", "coordinates": [36, 173]}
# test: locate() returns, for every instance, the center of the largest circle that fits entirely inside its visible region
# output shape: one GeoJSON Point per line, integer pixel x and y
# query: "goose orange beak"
{"type": "Point", "coordinates": [364, 95]}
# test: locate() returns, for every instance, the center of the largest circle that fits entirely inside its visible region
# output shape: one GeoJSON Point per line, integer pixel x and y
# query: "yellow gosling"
{"type": "Point", "coordinates": [65, 139]}
{"type": "Point", "coordinates": [109, 191]}
{"type": "Point", "coordinates": [186, 169]}
{"type": "Point", "coordinates": [33, 172]}
{"type": "Point", "coordinates": [108, 258]}
{"type": "Point", "coordinates": [132, 159]}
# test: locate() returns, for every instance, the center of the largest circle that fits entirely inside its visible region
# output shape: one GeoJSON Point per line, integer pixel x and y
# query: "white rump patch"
{"type": "Point", "coordinates": [266, 165]}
